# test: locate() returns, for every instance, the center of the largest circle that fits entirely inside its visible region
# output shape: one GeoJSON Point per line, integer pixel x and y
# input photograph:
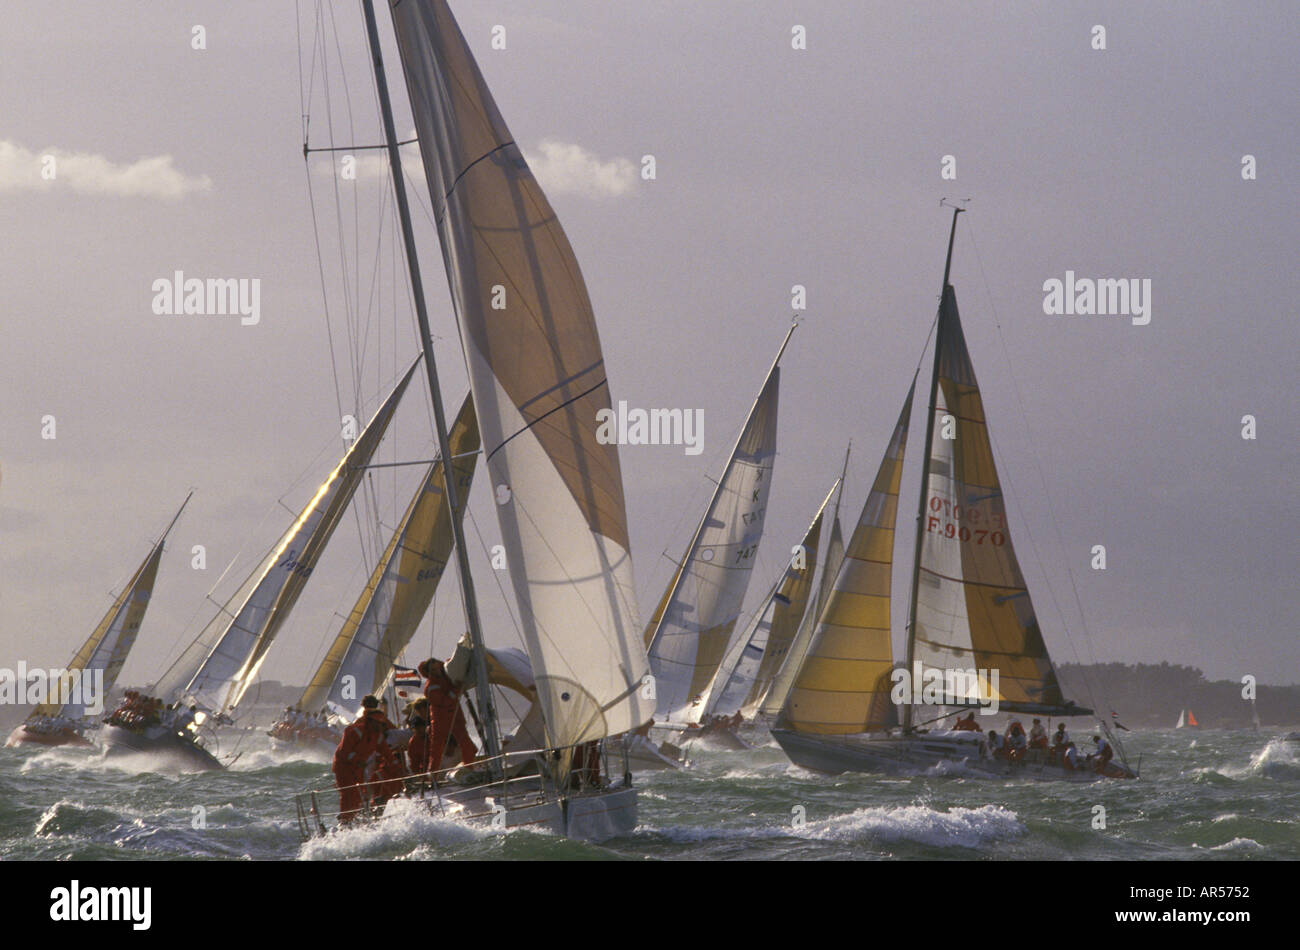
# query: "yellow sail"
{"type": "Point", "coordinates": [789, 606]}
{"type": "Point", "coordinates": [973, 609]}
{"type": "Point", "coordinates": [110, 642]}
{"type": "Point", "coordinates": [403, 583]}
{"type": "Point", "coordinates": [843, 685]}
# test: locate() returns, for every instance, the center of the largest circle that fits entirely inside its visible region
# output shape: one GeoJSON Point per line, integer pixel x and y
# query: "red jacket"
{"type": "Point", "coordinates": [360, 741]}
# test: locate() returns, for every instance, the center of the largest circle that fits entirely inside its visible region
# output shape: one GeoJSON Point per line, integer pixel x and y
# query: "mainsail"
{"type": "Point", "coordinates": [972, 609]}
{"type": "Point", "coordinates": [108, 645]}
{"type": "Point", "coordinates": [538, 380]}
{"type": "Point", "coordinates": [843, 683]}
{"type": "Point", "coordinates": [221, 663]}
{"type": "Point", "coordinates": [402, 584]}
{"type": "Point", "coordinates": [699, 614]}
{"type": "Point", "coordinates": [751, 664]}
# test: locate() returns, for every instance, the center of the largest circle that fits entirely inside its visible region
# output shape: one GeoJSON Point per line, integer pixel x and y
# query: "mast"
{"type": "Point", "coordinates": [925, 477]}
{"type": "Point", "coordinates": [491, 735]}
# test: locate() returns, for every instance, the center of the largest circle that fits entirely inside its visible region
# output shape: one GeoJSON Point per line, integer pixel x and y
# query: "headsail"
{"type": "Point", "coordinates": [751, 664]}
{"type": "Point", "coordinates": [700, 612]}
{"type": "Point", "coordinates": [108, 645]}
{"type": "Point", "coordinates": [538, 378]}
{"type": "Point", "coordinates": [772, 702]}
{"type": "Point", "coordinates": [402, 584]}
{"type": "Point", "coordinates": [972, 609]}
{"type": "Point", "coordinates": [218, 667]}
{"type": "Point", "coordinates": [843, 684]}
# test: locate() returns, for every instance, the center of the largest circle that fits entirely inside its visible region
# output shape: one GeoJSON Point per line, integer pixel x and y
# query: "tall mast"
{"type": "Point", "coordinates": [925, 477]}
{"type": "Point", "coordinates": [488, 718]}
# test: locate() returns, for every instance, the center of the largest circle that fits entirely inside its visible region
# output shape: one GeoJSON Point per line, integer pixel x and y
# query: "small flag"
{"type": "Point", "coordinates": [1119, 725]}
{"type": "Point", "coordinates": [405, 676]}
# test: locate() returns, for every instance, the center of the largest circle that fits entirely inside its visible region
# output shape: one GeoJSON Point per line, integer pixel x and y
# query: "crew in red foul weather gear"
{"type": "Point", "coordinates": [446, 716]}
{"type": "Point", "coordinates": [361, 740]}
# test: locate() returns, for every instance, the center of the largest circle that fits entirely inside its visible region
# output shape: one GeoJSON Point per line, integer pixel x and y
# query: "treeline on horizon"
{"type": "Point", "coordinates": [1151, 695]}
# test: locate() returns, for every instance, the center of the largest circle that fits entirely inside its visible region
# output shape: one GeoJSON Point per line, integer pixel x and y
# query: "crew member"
{"type": "Point", "coordinates": [361, 740]}
{"type": "Point", "coordinates": [967, 724]}
{"type": "Point", "coordinates": [446, 716]}
{"type": "Point", "coordinates": [1103, 755]}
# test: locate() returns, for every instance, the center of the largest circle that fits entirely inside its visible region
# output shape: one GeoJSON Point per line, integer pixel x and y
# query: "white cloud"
{"type": "Point", "coordinates": [22, 169]}
{"type": "Point", "coordinates": [564, 167]}
{"type": "Point", "coordinates": [560, 167]}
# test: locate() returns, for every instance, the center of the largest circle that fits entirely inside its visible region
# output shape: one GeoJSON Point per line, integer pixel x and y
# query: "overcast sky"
{"type": "Point", "coordinates": [775, 167]}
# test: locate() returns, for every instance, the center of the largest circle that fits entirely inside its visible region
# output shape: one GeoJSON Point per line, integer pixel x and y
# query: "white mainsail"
{"type": "Point", "coordinates": [221, 663]}
{"type": "Point", "coordinates": [752, 662]}
{"type": "Point", "coordinates": [109, 644]}
{"type": "Point", "coordinates": [401, 586]}
{"type": "Point", "coordinates": [691, 633]}
{"type": "Point", "coordinates": [538, 380]}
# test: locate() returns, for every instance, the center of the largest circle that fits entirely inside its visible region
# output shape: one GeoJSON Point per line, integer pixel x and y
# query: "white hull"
{"type": "Point", "coordinates": [913, 754]}
{"type": "Point", "coordinates": [593, 815]}
{"type": "Point", "coordinates": [160, 742]}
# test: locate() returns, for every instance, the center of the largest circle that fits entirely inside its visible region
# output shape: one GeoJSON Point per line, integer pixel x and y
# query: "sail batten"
{"type": "Point", "coordinates": [539, 384]}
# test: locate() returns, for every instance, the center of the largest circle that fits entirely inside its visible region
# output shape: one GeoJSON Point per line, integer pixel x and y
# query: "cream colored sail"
{"type": "Point", "coordinates": [771, 703]}
{"type": "Point", "coordinates": [697, 623]}
{"type": "Point", "coordinates": [973, 611]}
{"type": "Point", "coordinates": [218, 667]}
{"type": "Point", "coordinates": [843, 684]}
{"type": "Point", "coordinates": [747, 672]}
{"type": "Point", "coordinates": [539, 382]}
{"type": "Point", "coordinates": [109, 644]}
{"type": "Point", "coordinates": [401, 586]}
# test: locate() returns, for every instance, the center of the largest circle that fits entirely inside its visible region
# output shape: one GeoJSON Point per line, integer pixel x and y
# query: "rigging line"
{"type": "Point", "coordinates": [496, 575]}
{"type": "Point", "coordinates": [357, 148]}
{"type": "Point", "coordinates": [1089, 687]}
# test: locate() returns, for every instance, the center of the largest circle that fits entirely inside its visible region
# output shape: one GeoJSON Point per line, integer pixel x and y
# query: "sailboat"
{"type": "Point", "coordinates": [206, 683]}
{"type": "Point", "coordinates": [1187, 720]}
{"type": "Point", "coordinates": [65, 722]}
{"type": "Point", "coordinates": [750, 667]}
{"type": "Point", "coordinates": [538, 380]}
{"type": "Point", "coordinates": [396, 597]}
{"type": "Point", "coordinates": [973, 639]}
{"type": "Point", "coordinates": [693, 625]}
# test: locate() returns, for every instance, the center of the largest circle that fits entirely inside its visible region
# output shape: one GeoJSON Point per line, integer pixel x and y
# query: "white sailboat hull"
{"type": "Point", "coordinates": [160, 742]}
{"type": "Point", "coordinates": [592, 815]}
{"type": "Point", "coordinates": [912, 754]}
